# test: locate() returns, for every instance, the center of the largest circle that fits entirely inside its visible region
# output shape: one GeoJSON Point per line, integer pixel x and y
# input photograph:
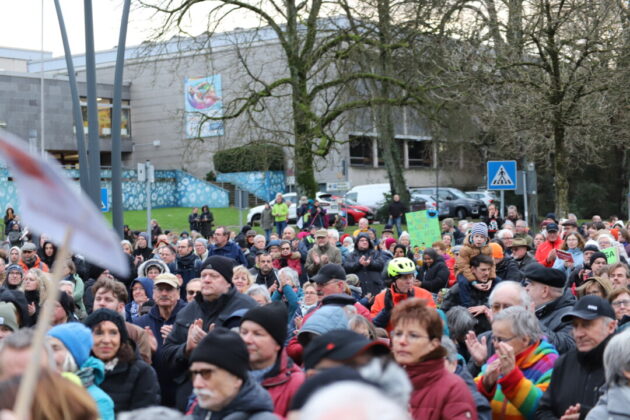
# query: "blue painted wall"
{"type": "Point", "coordinates": [264, 185]}
{"type": "Point", "coordinates": [171, 189]}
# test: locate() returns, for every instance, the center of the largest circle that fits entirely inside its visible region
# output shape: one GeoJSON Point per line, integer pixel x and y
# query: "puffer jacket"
{"type": "Point", "coordinates": [251, 403]}
{"type": "Point", "coordinates": [131, 385]}
{"type": "Point", "coordinates": [438, 394]}
{"type": "Point", "coordinates": [557, 332]}
{"type": "Point", "coordinates": [282, 382]}
{"type": "Point", "coordinates": [516, 395]}
{"type": "Point", "coordinates": [370, 275]}
{"type": "Point", "coordinates": [466, 254]}
{"type": "Point", "coordinates": [435, 276]}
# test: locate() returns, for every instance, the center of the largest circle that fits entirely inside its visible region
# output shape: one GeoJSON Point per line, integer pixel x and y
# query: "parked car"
{"type": "Point", "coordinates": [486, 196]}
{"type": "Point", "coordinates": [421, 202]}
{"type": "Point", "coordinates": [325, 200]}
{"type": "Point", "coordinates": [353, 210]}
{"type": "Point", "coordinates": [453, 202]}
{"type": "Point", "coordinates": [372, 195]}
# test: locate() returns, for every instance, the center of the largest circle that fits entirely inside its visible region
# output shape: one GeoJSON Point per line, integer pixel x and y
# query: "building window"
{"type": "Point", "coordinates": [361, 151]}
{"type": "Point", "coordinates": [419, 153]}
{"type": "Point", "coordinates": [105, 117]}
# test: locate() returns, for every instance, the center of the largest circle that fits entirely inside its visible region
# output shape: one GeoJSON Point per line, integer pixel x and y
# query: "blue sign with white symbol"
{"type": "Point", "coordinates": [501, 175]}
{"type": "Point", "coordinates": [104, 200]}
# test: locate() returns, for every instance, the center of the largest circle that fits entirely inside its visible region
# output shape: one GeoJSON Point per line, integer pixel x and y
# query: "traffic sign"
{"type": "Point", "coordinates": [501, 175]}
{"type": "Point", "coordinates": [104, 200]}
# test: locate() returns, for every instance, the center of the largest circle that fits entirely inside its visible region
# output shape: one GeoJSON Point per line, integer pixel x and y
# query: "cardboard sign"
{"type": "Point", "coordinates": [612, 255]}
{"type": "Point", "coordinates": [564, 255]}
{"type": "Point", "coordinates": [424, 228]}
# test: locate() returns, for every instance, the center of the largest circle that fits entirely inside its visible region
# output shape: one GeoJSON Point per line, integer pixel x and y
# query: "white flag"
{"type": "Point", "coordinates": [50, 204]}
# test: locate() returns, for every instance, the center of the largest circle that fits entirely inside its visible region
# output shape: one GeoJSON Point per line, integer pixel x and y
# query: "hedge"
{"type": "Point", "coordinates": [249, 158]}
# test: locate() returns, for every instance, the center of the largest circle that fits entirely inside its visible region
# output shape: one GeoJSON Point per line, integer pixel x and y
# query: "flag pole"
{"type": "Point", "coordinates": [25, 393]}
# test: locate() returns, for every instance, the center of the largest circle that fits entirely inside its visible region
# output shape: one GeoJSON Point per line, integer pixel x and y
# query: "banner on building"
{"type": "Point", "coordinates": [203, 103]}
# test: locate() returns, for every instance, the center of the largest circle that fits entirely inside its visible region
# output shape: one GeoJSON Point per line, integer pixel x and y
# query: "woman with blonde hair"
{"type": "Point", "coordinates": [242, 278]}
{"type": "Point", "coordinates": [35, 286]}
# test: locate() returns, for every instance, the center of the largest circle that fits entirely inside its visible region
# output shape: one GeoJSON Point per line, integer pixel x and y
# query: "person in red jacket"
{"type": "Point", "coordinates": [416, 345]}
{"type": "Point", "coordinates": [401, 273]}
{"type": "Point", "coordinates": [264, 331]}
{"type": "Point", "coordinates": [546, 252]}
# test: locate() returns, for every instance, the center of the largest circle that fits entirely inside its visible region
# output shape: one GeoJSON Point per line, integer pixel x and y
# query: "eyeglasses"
{"type": "Point", "coordinates": [618, 303]}
{"type": "Point", "coordinates": [190, 292]}
{"type": "Point", "coordinates": [496, 339]}
{"type": "Point", "coordinates": [205, 374]}
{"type": "Point", "coordinates": [410, 336]}
{"type": "Point", "coordinates": [496, 307]}
{"type": "Point", "coordinates": [285, 249]}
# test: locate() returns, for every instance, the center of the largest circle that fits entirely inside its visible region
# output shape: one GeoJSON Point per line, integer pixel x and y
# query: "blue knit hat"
{"type": "Point", "coordinates": [479, 229]}
{"type": "Point", "coordinates": [76, 337]}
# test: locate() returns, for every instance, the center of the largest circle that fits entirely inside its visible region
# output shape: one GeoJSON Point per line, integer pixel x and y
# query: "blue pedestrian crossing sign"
{"type": "Point", "coordinates": [501, 175]}
{"type": "Point", "coordinates": [104, 200]}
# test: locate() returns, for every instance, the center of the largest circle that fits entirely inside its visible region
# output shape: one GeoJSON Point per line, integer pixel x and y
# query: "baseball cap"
{"type": "Point", "coordinates": [29, 246]}
{"type": "Point", "coordinates": [589, 307]}
{"type": "Point", "coordinates": [329, 272]}
{"type": "Point", "coordinates": [552, 227]}
{"type": "Point", "coordinates": [167, 278]}
{"type": "Point", "coordinates": [322, 233]}
{"type": "Point", "coordinates": [518, 242]}
{"type": "Point", "coordinates": [340, 345]}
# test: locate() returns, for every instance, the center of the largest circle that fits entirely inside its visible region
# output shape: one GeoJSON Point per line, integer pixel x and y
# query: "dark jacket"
{"type": "Point", "coordinates": [434, 277]}
{"type": "Point", "coordinates": [396, 209]}
{"type": "Point", "coordinates": [370, 275]}
{"type": "Point", "coordinates": [230, 250]}
{"type": "Point", "coordinates": [557, 332]}
{"type": "Point", "coordinates": [483, 406]}
{"type": "Point", "coordinates": [189, 267]}
{"type": "Point", "coordinates": [131, 385]}
{"type": "Point", "coordinates": [524, 262]}
{"type": "Point", "coordinates": [508, 269]}
{"type": "Point", "coordinates": [438, 394]}
{"type": "Point", "coordinates": [577, 378]}
{"type": "Point", "coordinates": [251, 403]}
{"type": "Point", "coordinates": [477, 298]}
{"type": "Point", "coordinates": [173, 353]}
{"type": "Point", "coordinates": [154, 321]}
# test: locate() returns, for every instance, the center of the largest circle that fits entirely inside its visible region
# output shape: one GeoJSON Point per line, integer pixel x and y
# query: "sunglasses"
{"type": "Point", "coordinates": [205, 374]}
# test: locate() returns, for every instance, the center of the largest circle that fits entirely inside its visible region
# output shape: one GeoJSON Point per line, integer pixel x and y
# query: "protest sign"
{"type": "Point", "coordinates": [423, 227]}
{"type": "Point", "coordinates": [612, 255]}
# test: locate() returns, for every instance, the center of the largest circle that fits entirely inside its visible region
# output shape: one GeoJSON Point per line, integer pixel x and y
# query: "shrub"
{"type": "Point", "coordinates": [249, 158]}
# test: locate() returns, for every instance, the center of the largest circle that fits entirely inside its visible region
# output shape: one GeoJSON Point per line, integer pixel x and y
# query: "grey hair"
{"type": "Point", "coordinates": [366, 401]}
{"type": "Point", "coordinates": [259, 290]}
{"type": "Point", "coordinates": [500, 234]}
{"type": "Point", "coordinates": [617, 359]}
{"type": "Point", "coordinates": [293, 275]}
{"type": "Point", "coordinates": [524, 323]}
{"type": "Point", "coordinates": [334, 233]}
{"type": "Point", "coordinates": [451, 349]}
{"type": "Point", "coordinates": [524, 297]}
{"type": "Point", "coordinates": [22, 339]}
{"type": "Point", "coordinates": [156, 412]}
{"type": "Point", "coordinates": [202, 241]}
{"type": "Point", "coordinates": [460, 321]}
{"type": "Point", "coordinates": [522, 222]}
{"type": "Point", "coordinates": [258, 237]}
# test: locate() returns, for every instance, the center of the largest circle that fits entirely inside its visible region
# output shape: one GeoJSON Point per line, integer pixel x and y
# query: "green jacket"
{"type": "Point", "coordinates": [280, 211]}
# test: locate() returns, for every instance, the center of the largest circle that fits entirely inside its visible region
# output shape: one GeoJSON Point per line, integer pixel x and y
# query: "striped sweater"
{"type": "Point", "coordinates": [517, 394]}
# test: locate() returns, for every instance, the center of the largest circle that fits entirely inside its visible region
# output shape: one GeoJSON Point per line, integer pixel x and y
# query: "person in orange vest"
{"type": "Point", "coordinates": [401, 273]}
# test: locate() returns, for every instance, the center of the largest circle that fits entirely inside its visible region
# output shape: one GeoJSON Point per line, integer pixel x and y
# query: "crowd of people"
{"type": "Point", "coordinates": [494, 320]}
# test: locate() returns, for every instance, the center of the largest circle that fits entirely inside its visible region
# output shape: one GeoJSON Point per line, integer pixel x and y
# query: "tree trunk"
{"type": "Point", "coordinates": [561, 170]}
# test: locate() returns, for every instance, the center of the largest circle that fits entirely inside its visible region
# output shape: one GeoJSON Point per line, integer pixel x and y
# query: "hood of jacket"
{"type": "Point", "coordinates": [18, 300]}
{"type": "Point", "coordinates": [147, 283]}
{"type": "Point", "coordinates": [92, 371]}
{"type": "Point", "coordinates": [142, 269]}
{"type": "Point", "coordinates": [326, 318]}
{"type": "Point", "coordinates": [366, 236]}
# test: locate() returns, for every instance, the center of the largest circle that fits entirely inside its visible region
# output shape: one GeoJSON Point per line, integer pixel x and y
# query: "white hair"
{"type": "Point", "coordinates": [334, 233]}
{"type": "Point", "coordinates": [502, 232]}
{"type": "Point", "coordinates": [357, 401]}
{"type": "Point", "coordinates": [293, 275]}
{"type": "Point", "coordinates": [524, 297]}
{"type": "Point", "coordinates": [524, 323]}
{"type": "Point", "coordinates": [259, 290]}
{"type": "Point", "coordinates": [617, 359]}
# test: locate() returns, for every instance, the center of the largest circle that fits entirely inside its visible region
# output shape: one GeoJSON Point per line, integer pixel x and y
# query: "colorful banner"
{"type": "Point", "coordinates": [202, 100]}
{"type": "Point", "coordinates": [424, 228]}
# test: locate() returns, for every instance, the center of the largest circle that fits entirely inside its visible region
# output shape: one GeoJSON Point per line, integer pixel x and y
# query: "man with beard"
{"type": "Point", "coordinates": [160, 320]}
{"type": "Point", "coordinates": [321, 254]}
{"type": "Point", "coordinates": [30, 259]}
{"type": "Point", "coordinates": [263, 272]}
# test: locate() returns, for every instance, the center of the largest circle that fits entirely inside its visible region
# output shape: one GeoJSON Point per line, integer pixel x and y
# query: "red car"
{"type": "Point", "coordinates": [354, 211]}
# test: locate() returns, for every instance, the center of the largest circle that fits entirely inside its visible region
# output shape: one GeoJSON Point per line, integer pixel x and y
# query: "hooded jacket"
{"type": "Point", "coordinates": [131, 308]}
{"type": "Point", "coordinates": [577, 378]}
{"type": "Point", "coordinates": [370, 275]}
{"type": "Point", "coordinates": [437, 393]}
{"type": "Point", "coordinates": [517, 395]}
{"type": "Point", "coordinates": [92, 374]}
{"type": "Point", "coordinates": [557, 332]}
{"type": "Point", "coordinates": [17, 298]}
{"type": "Point", "coordinates": [189, 267]}
{"type": "Point", "coordinates": [251, 403]}
{"type": "Point", "coordinates": [282, 382]}
{"type": "Point", "coordinates": [435, 276]}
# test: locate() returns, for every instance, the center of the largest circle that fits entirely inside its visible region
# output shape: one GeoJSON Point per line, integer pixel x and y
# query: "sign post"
{"type": "Point", "coordinates": [501, 176]}
{"type": "Point", "coordinates": [104, 200]}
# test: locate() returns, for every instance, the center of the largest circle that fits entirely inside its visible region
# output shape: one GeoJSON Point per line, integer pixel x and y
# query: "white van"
{"type": "Point", "coordinates": [372, 195]}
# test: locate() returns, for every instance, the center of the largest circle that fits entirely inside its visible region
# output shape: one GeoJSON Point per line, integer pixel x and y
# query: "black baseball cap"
{"type": "Point", "coordinates": [340, 345]}
{"type": "Point", "coordinates": [552, 227]}
{"type": "Point", "coordinates": [589, 307]}
{"type": "Point", "coordinates": [329, 272]}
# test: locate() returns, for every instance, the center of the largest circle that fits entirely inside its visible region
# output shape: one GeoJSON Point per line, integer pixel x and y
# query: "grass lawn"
{"type": "Point", "coordinates": [176, 219]}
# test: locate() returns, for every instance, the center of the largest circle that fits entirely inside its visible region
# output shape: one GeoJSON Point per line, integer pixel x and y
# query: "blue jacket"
{"type": "Point", "coordinates": [230, 250]}
{"type": "Point", "coordinates": [154, 321]}
{"type": "Point", "coordinates": [104, 403]}
{"type": "Point", "coordinates": [578, 259]}
{"type": "Point", "coordinates": [147, 283]}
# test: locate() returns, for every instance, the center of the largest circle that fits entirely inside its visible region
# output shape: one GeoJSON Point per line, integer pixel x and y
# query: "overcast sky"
{"type": "Point", "coordinates": [20, 25]}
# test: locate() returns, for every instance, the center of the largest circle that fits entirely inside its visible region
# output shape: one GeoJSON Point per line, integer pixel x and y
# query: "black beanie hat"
{"type": "Point", "coordinates": [273, 317]}
{"type": "Point", "coordinates": [221, 264]}
{"type": "Point", "coordinates": [225, 349]}
{"type": "Point", "coordinates": [597, 255]}
{"type": "Point", "coordinates": [105, 314]}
